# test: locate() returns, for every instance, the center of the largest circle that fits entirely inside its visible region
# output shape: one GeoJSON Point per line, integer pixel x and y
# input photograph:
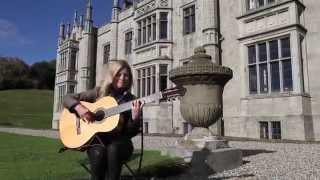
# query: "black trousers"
{"type": "Point", "coordinates": [106, 161]}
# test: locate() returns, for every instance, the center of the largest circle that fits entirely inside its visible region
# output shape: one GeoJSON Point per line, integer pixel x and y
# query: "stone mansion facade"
{"type": "Point", "coordinates": [272, 46]}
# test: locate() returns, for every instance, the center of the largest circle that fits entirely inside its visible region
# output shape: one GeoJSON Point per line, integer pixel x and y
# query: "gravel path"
{"type": "Point", "coordinates": [262, 160]}
{"type": "Point", "coordinates": [276, 161]}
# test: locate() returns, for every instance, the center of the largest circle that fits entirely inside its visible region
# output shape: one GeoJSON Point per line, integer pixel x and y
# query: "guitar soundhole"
{"type": "Point", "coordinates": [99, 115]}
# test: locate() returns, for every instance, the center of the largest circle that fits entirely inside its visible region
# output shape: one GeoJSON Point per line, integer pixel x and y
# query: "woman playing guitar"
{"type": "Point", "coordinates": [108, 151]}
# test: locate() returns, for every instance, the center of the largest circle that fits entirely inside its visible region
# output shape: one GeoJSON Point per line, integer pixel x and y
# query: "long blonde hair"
{"type": "Point", "coordinates": [113, 67]}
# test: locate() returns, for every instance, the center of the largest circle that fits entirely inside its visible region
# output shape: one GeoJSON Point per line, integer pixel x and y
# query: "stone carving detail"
{"type": "Point", "coordinates": [267, 22]}
{"type": "Point", "coordinates": [163, 3]}
{"type": "Point", "coordinates": [146, 8]}
{"type": "Point", "coordinates": [146, 54]}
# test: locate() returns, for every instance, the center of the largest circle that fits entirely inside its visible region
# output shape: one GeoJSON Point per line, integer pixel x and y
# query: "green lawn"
{"type": "Point", "coordinates": [33, 158]}
{"type": "Point", "coordinates": [26, 108]}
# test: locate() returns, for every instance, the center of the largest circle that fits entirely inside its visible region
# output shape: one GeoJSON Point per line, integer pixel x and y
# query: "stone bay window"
{"type": "Point", "coordinates": [151, 79]}
{"type": "Point", "coordinates": [270, 66]}
{"type": "Point", "coordinates": [148, 30]}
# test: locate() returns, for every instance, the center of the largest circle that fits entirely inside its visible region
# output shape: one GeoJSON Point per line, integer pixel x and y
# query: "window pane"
{"type": "Point", "coordinates": [149, 38]}
{"type": "Point", "coordinates": [139, 88]}
{"type": "Point", "coordinates": [252, 54]}
{"type": "Point", "coordinates": [260, 3]}
{"type": "Point", "coordinates": [262, 52]}
{"type": "Point", "coordinates": [287, 75]}
{"type": "Point", "coordinates": [189, 24]}
{"type": "Point", "coordinates": [139, 33]}
{"type": "Point", "coordinates": [264, 130]}
{"type": "Point", "coordinates": [275, 77]}
{"type": "Point", "coordinates": [144, 73]}
{"type": "Point", "coordinates": [154, 28]}
{"type": "Point", "coordinates": [285, 47]}
{"type": "Point", "coordinates": [163, 76]}
{"type": "Point", "coordinates": [186, 25]}
{"type": "Point", "coordinates": [253, 79]}
{"type": "Point", "coordinates": [106, 53]}
{"type": "Point", "coordinates": [128, 41]}
{"type": "Point", "coordinates": [163, 83]}
{"type": "Point", "coordinates": [144, 35]}
{"type": "Point", "coordinates": [276, 130]}
{"type": "Point", "coordinates": [273, 45]}
{"type": "Point", "coordinates": [263, 78]}
{"type": "Point", "coordinates": [153, 72]}
{"type": "Point", "coordinates": [163, 69]}
{"type": "Point", "coordinates": [153, 84]}
{"type": "Point", "coordinates": [270, 1]}
{"type": "Point", "coordinates": [143, 87]}
{"type": "Point", "coordinates": [251, 4]}
{"type": "Point", "coordinates": [193, 23]}
{"type": "Point", "coordinates": [148, 71]}
{"type": "Point", "coordinates": [192, 10]}
{"type": "Point", "coordinates": [148, 86]}
{"type": "Point", "coordinates": [163, 25]}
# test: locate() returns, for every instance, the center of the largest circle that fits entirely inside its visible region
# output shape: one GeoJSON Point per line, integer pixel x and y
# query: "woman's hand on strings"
{"type": "Point", "coordinates": [85, 113]}
{"type": "Point", "coordinates": [137, 109]}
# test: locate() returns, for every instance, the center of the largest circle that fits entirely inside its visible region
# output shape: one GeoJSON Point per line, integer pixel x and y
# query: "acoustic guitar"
{"type": "Point", "coordinates": [76, 132]}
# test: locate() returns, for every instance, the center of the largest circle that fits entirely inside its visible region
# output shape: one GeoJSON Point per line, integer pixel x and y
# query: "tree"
{"type": "Point", "coordinates": [43, 74]}
{"type": "Point", "coordinates": [14, 73]}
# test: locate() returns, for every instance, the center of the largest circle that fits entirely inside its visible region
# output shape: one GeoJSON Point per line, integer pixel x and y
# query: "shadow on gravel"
{"type": "Point", "coordinates": [251, 152]}
{"type": "Point", "coordinates": [232, 177]}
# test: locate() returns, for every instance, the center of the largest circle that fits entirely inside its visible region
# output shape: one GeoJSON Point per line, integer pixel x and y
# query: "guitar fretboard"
{"type": "Point", "coordinates": [128, 105]}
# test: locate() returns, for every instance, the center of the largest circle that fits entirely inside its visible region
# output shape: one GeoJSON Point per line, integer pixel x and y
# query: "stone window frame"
{"type": "Point", "coordinates": [191, 16]}
{"type": "Point", "coordinates": [268, 62]}
{"type": "Point", "coordinates": [163, 25]}
{"type": "Point", "coordinates": [276, 130]}
{"type": "Point", "coordinates": [73, 60]}
{"type": "Point", "coordinates": [264, 129]}
{"type": "Point", "coordinates": [273, 130]}
{"type": "Point", "coordinates": [146, 29]}
{"type": "Point", "coordinates": [155, 77]}
{"type": "Point", "coordinates": [146, 127]}
{"type": "Point", "coordinates": [106, 56]}
{"type": "Point", "coordinates": [128, 42]}
{"type": "Point", "coordinates": [61, 94]}
{"type": "Point", "coordinates": [63, 60]}
{"type": "Point", "coordinates": [299, 64]}
{"type": "Point", "coordinates": [146, 81]}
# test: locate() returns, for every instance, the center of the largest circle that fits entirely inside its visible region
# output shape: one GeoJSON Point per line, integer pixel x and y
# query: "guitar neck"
{"type": "Point", "coordinates": [128, 105]}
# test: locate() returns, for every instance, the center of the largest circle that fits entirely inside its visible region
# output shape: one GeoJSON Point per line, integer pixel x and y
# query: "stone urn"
{"type": "Point", "coordinates": [201, 106]}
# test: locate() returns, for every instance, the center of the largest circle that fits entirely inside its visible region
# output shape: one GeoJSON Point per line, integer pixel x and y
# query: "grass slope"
{"type": "Point", "coordinates": [26, 108]}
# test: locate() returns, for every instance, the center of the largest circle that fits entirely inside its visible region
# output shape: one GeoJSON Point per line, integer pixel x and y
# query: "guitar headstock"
{"type": "Point", "coordinates": [172, 93]}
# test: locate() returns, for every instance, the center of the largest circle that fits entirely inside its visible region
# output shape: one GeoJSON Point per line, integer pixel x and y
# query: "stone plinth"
{"type": "Point", "coordinates": [212, 152]}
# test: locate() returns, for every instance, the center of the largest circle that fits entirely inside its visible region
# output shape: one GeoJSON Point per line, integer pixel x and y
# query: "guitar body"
{"type": "Point", "coordinates": [73, 137]}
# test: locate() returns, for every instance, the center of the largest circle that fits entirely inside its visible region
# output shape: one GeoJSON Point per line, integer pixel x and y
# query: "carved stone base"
{"type": "Point", "coordinates": [215, 152]}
